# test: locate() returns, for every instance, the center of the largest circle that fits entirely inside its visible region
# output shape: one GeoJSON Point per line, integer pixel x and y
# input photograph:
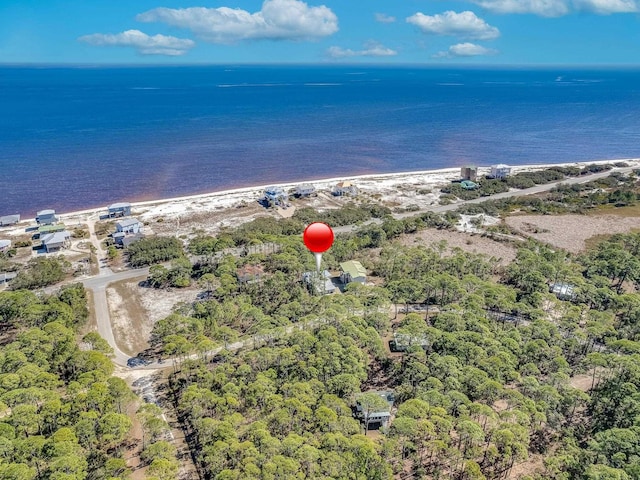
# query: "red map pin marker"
{"type": "Point", "coordinates": [318, 237]}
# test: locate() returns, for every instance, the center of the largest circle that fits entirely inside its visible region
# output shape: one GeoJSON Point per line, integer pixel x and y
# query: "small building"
{"type": "Point", "coordinates": [46, 217]}
{"type": "Point", "coordinates": [6, 277]}
{"type": "Point", "coordinates": [345, 188]}
{"type": "Point", "coordinates": [250, 273]}
{"type": "Point", "coordinates": [402, 341]}
{"type": "Point", "coordinates": [305, 190]}
{"type": "Point", "coordinates": [319, 283]}
{"type": "Point", "coordinates": [129, 239]}
{"type": "Point", "coordinates": [7, 220]}
{"type": "Point", "coordinates": [119, 210]}
{"type": "Point", "coordinates": [129, 225]}
{"type": "Point", "coordinates": [118, 237]}
{"type": "Point", "coordinates": [500, 171]}
{"type": "Point", "coordinates": [52, 242]}
{"type": "Point", "coordinates": [469, 173]}
{"type": "Point", "coordinates": [5, 245]}
{"type": "Point", "coordinates": [352, 271]}
{"type": "Point", "coordinates": [468, 185]}
{"type": "Point", "coordinates": [380, 418]}
{"type": "Point", "coordinates": [564, 291]}
{"type": "Point", "coordinates": [275, 196]}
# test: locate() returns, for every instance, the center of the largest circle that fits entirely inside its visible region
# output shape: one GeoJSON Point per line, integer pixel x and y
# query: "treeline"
{"type": "Point", "coordinates": [62, 414]}
{"type": "Point", "coordinates": [487, 391]}
{"type": "Point", "coordinates": [521, 180]}
{"type": "Point", "coordinates": [41, 272]}
{"type": "Point", "coordinates": [617, 190]}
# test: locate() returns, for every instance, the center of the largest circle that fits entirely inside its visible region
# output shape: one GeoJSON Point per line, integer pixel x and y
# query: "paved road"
{"type": "Point", "coordinates": [512, 193]}
{"type": "Point", "coordinates": [98, 284]}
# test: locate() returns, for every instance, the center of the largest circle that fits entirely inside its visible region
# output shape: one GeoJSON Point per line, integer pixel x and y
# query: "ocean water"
{"type": "Point", "coordinates": [73, 138]}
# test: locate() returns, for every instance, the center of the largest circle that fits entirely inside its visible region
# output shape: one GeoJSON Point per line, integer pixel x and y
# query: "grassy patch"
{"type": "Point", "coordinates": [630, 211]}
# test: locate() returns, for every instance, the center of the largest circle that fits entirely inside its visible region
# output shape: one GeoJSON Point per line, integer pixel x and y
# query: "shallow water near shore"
{"type": "Point", "coordinates": [75, 138]}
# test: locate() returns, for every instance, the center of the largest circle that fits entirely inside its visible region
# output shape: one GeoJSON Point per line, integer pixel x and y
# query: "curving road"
{"type": "Point", "coordinates": [98, 284]}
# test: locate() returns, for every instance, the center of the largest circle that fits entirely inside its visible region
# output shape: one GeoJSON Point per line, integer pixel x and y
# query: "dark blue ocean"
{"type": "Point", "coordinates": [73, 138]}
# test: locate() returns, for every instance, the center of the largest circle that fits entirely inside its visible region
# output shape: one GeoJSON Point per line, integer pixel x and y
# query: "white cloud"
{"type": "Point", "coordinates": [557, 8]}
{"type": "Point", "coordinates": [465, 50]}
{"type": "Point", "coordinates": [464, 24]}
{"type": "Point", "coordinates": [384, 18]}
{"type": "Point", "coordinates": [605, 7]}
{"type": "Point", "coordinates": [277, 20]}
{"type": "Point", "coordinates": [145, 44]}
{"type": "Point", "coordinates": [371, 49]}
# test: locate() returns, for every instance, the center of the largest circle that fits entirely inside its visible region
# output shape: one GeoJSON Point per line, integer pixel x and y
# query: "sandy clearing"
{"type": "Point", "coordinates": [467, 242]}
{"type": "Point", "coordinates": [570, 231]}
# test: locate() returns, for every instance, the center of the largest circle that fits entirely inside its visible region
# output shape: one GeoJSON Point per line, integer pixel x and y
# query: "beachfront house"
{"type": "Point", "coordinates": [119, 210]}
{"type": "Point", "coordinates": [7, 220]}
{"type": "Point", "coordinates": [376, 418]}
{"type": "Point", "coordinates": [275, 196]}
{"type": "Point", "coordinates": [305, 190]}
{"type": "Point", "coordinates": [345, 188]}
{"type": "Point", "coordinates": [352, 271]}
{"type": "Point", "coordinates": [250, 273]}
{"type": "Point", "coordinates": [46, 217]}
{"type": "Point", "coordinates": [320, 284]}
{"type": "Point", "coordinates": [469, 173]}
{"type": "Point", "coordinates": [500, 171]}
{"type": "Point", "coordinates": [52, 242]}
{"type": "Point", "coordinates": [129, 225]}
{"type": "Point", "coordinates": [5, 245]}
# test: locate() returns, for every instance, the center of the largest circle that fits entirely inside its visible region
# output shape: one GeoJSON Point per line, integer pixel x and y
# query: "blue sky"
{"type": "Point", "coordinates": [503, 32]}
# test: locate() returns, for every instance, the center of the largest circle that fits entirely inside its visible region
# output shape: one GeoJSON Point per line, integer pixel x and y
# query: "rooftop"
{"type": "Point", "coordinates": [353, 268]}
{"type": "Point", "coordinates": [57, 237]}
{"type": "Point", "coordinates": [5, 243]}
{"type": "Point", "coordinates": [46, 212]}
{"type": "Point", "coordinates": [116, 206]}
{"type": "Point", "coordinates": [127, 222]}
{"type": "Point", "coordinates": [344, 185]}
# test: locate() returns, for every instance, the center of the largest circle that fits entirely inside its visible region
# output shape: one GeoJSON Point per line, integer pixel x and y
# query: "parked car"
{"type": "Point", "coordinates": [137, 361]}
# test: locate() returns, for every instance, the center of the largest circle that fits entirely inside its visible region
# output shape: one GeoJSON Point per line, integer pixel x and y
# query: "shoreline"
{"type": "Point", "coordinates": [227, 198]}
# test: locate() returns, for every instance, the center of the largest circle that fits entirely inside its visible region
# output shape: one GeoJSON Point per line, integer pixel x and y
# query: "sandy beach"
{"type": "Point", "coordinates": [211, 211]}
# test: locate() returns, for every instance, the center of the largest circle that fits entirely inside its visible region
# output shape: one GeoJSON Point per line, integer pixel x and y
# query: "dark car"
{"type": "Point", "coordinates": [135, 362]}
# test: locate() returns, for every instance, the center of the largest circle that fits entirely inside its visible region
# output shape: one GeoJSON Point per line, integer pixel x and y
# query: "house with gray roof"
{"type": "Point", "coordinates": [46, 217]}
{"type": "Point", "coordinates": [129, 225]}
{"type": "Point", "coordinates": [275, 196]}
{"type": "Point", "coordinates": [7, 220]}
{"type": "Point", "coordinates": [5, 245]}
{"type": "Point", "coordinates": [305, 190]}
{"type": "Point", "coordinates": [129, 239]}
{"type": "Point", "coordinates": [52, 242]}
{"type": "Point", "coordinates": [319, 283]}
{"type": "Point", "coordinates": [6, 277]}
{"type": "Point", "coordinates": [122, 209]}
{"type": "Point", "coordinates": [380, 418]}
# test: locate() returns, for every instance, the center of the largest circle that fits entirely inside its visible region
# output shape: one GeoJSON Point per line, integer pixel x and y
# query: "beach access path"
{"type": "Point", "coordinates": [98, 284]}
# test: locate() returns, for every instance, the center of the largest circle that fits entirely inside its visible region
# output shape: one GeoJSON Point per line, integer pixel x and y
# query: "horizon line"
{"type": "Point", "coordinates": [325, 64]}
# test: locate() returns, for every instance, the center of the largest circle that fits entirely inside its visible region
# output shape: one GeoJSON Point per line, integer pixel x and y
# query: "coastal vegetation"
{"type": "Point", "coordinates": [63, 416]}
{"type": "Point", "coordinates": [511, 376]}
{"type": "Point", "coordinates": [502, 375]}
